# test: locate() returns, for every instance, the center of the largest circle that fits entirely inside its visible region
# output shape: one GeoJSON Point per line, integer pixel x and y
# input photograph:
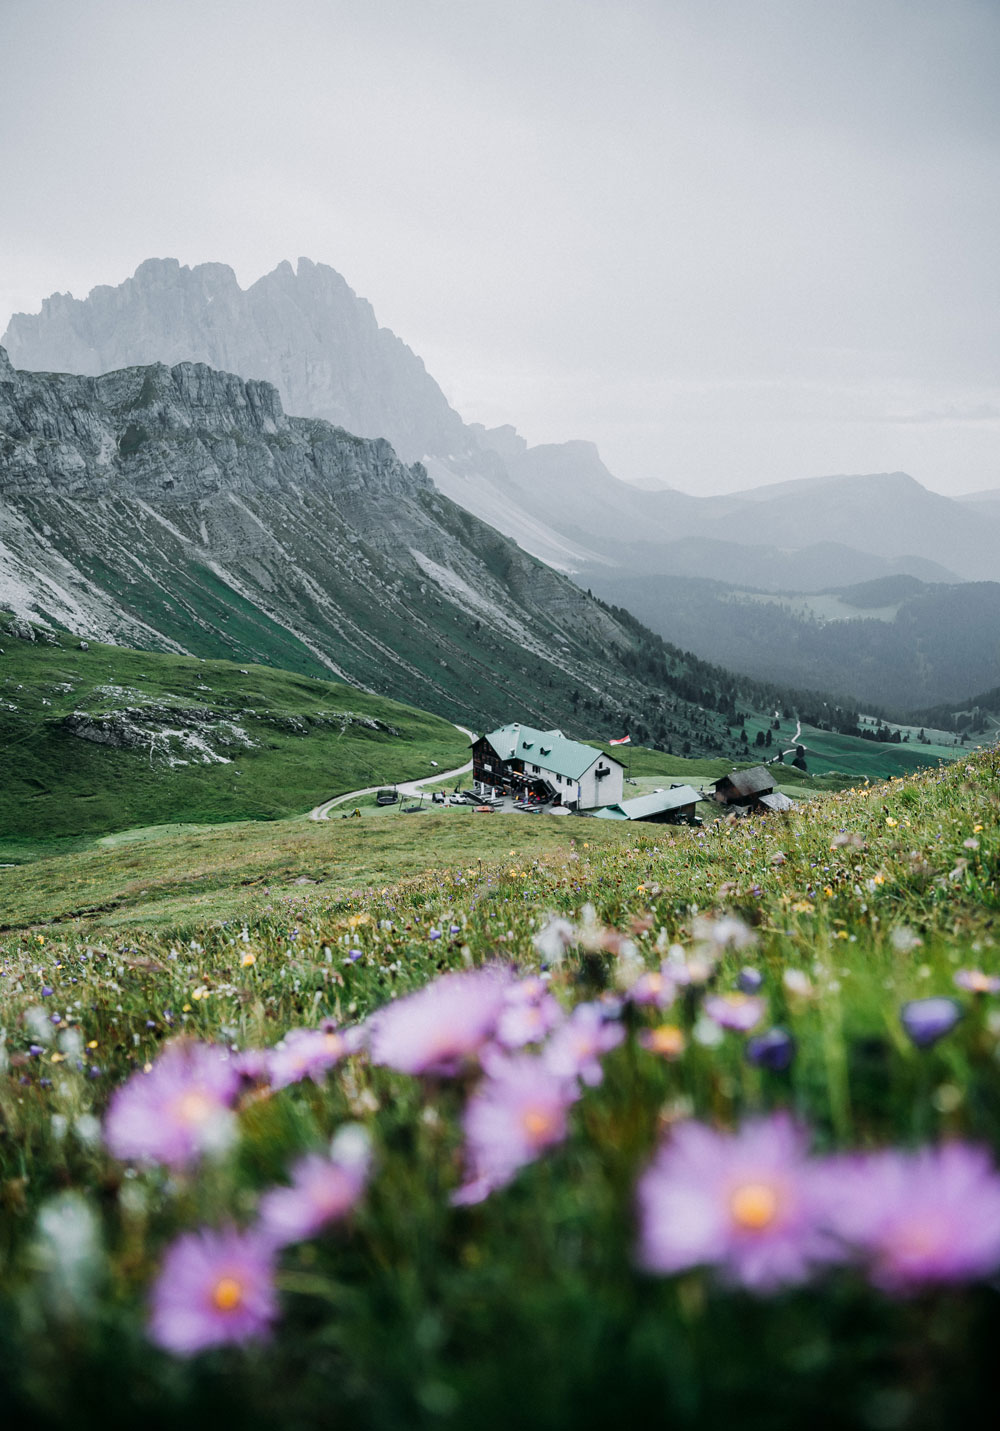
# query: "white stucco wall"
{"type": "Point", "coordinates": [608, 791]}
{"type": "Point", "coordinates": [588, 792]}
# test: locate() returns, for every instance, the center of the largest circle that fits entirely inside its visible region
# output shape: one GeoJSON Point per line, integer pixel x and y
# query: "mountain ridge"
{"type": "Point", "coordinates": [182, 508]}
{"type": "Point", "coordinates": [305, 330]}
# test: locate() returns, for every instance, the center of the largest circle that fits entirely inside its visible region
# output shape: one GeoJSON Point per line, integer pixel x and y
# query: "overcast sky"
{"type": "Point", "coordinates": [730, 241]}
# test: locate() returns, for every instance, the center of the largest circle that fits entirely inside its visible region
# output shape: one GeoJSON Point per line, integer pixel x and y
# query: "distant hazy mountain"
{"type": "Point", "coordinates": [180, 508]}
{"type": "Point", "coordinates": [896, 642]}
{"type": "Point", "coordinates": [307, 332]}
{"type": "Point", "coordinates": [765, 568]}
{"type": "Point", "coordinates": [984, 504]}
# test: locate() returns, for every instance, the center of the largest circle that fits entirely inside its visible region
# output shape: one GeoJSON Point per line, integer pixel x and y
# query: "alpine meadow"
{"type": "Point", "coordinates": [499, 837]}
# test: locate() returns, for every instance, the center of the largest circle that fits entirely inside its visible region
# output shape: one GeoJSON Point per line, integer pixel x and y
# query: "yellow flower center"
{"type": "Point", "coordinates": [667, 1040]}
{"type": "Point", "coordinates": [754, 1206]}
{"type": "Point", "coordinates": [228, 1294]}
{"type": "Point", "coordinates": [917, 1238]}
{"type": "Point", "coordinates": [539, 1123]}
{"type": "Point", "coordinates": [194, 1107]}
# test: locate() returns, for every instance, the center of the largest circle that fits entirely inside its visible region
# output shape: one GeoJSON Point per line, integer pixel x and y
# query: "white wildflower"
{"type": "Point", "coordinates": [554, 939]}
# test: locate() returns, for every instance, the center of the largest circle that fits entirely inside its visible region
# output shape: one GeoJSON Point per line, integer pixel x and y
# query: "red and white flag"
{"type": "Point", "coordinates": [625, 740]}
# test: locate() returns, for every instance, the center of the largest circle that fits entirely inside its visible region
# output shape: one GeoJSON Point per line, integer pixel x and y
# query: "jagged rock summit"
{"type": "Point", "coordinates": [301, 328]}
{"type": "Point", "coordinates": [306, 331]}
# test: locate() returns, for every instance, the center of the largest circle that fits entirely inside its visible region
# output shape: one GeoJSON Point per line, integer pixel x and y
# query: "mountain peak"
{"type": "Point", "coordinates": [154, 270]}
{"type": "Point", "coordinates": [302, 329]}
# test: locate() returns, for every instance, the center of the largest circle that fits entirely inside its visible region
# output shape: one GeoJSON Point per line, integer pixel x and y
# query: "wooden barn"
{"type": "Point", "coordinates": [750, 792]}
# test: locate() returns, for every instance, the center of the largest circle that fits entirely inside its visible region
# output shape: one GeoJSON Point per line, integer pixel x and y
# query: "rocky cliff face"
{"type": "Point", "coordinates": [305, 331]}
{"type": "Point", "coordinates": [181, 508]}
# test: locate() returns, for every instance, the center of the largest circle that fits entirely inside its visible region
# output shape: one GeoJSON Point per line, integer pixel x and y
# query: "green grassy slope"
{"type": "Point", "coordinates": [308, 740]}
{"type": "Point", "coordinates": [168, 878]}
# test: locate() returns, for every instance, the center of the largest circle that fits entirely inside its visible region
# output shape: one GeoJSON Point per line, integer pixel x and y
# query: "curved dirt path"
{"type": "Point", "coordinates": [796, 738]}
{"type": "Point", "coordinates": [409, 787]}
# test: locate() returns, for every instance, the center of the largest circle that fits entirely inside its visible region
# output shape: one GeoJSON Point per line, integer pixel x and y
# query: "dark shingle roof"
{"type": "Point", "coordinates": [755, 781]}
{"type": "Point", "coordinates": [777, 801]}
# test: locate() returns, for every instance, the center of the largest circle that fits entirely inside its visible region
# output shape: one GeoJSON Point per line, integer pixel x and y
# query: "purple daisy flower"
{"type": "Point", "coordinates": [517, 1112]}
{"type": "Point", "coordinates": [179, 1110]}
{"type": "Point", "coordinates": [323, 1190]}
{"type": "Point", "coordinates": [306, 1053]}
{"type": "Point", "coordinates": [774, 1050]}
{"type": "Point", "coordinates": [749, 981]}
{"type": "Point", "coordinates": [656, 988]}
{"type": "Point", "coordinates": [253, 1064]}
{"type": "Point", "coordinates": [974, 981]}
{"type": "Point", "coordinates": [746, 1203]}
{"type": "Point", "coordinates": [213, 1288]}
{"type": "Point", "coordinates": [529, 1014]}
{"type": "Point", "coordinates": [920, 1218]}
{"type": "Point", "coordinates": [738, 1012]}
{"type": "Point", "coordinates": [575, 1049]}
{"type": "Point", "coordinates": [927, 1020]}
{"type": "Point", "coordinates": [441, 1027]}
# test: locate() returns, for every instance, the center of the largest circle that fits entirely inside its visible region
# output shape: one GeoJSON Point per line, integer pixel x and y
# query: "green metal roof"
{"type": "Point", "coordinates": [643, 806]}
{"type": "Point", "coordinates": [548, 749]}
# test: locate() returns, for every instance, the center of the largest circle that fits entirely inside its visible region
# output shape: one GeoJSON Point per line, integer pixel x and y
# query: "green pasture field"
{"type": "Point", "coordinates": [652, 767]}
{"type": "Point", "coordinates": [828, 753]}
{"type": "Point", "coordinates": [165, 878]}
{"type": "Point", "coordinates": [309, 743]}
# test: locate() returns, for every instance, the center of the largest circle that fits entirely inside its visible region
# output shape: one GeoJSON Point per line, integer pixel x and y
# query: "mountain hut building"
{"type": "Point", "coordinates": [519, 760]}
